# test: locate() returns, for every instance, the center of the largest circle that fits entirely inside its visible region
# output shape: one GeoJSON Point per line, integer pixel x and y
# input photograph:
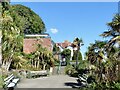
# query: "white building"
{"type": "Point", "coordinates": [71, 48]}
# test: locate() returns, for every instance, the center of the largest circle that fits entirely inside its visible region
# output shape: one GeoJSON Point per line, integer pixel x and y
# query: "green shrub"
{"type": "Point", "coordinates": [83, 64]}
{"type": "Point", "coordinates": [117, 86]}
{"type": "Point", "coordinates": [1, 81]}
{"type": "Point", "coordinates": [69, 69]}
{"type": "Point", "coordinates": [103, 86]}
{"type": "Point", "coordinates": [56, 63]}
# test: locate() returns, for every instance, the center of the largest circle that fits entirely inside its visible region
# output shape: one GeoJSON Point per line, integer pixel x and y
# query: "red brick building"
{"type": "Point", "coordinates": [30, 42]}
{"type": "Point", "coordinates": [64, 44]}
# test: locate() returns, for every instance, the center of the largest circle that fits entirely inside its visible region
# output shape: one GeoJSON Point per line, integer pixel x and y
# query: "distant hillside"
{"type": "Point", "coordinates": [27, 20]}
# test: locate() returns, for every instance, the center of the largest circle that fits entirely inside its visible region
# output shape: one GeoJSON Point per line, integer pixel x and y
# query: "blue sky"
{"type": "Point", "coordinates": [65, 21]}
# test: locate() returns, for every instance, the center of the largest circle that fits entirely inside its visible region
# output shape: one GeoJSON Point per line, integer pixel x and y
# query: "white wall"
{"type": "Point", "coordinates": [71, 51]}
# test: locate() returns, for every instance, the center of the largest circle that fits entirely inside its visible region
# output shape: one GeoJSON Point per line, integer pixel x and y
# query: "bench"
{"type": "Point", "coordinates": [10, 81]}
{"type": "Point", "coordinates": [82, 79]}
{"type": "Point", "coordinates": [38, 73]}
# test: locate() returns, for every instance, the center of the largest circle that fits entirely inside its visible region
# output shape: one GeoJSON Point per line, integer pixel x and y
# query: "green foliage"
{"type": "Point", "coordinates": [17, 20]}
{"type": "Point", "coordinates": [95, 50]}
{"type": "Point", "coordinates": [107, 72]}
{"type": "Point", "coordinates": [104, 86]}
{"type": "Point", "coordinates": [83, 64]}
{"type": "Point", "coordinates": [19, 62]}
{"type": "Point", "coordinates": [69, 69]}
{"type": "Point", "coordinates": [56, 49]}
{"type": "Point", "coordinates": [40, 59]}
{"type": "Point", "coordinates": [78, 42]}
{"type": "Point", "coordinates": [12, 40]}
{"type": "Point", "coordinates": [81, 68]}
{"type": "Point", "coordinates": [75, 56]}
{"type": "Point", "coordinates": [67, 54]}
{"type": "Point", "coordinates": [117, 86]}
{"type": "Point", "coordinates": [5, 6]}
{"type": "Point", "coordinates": [1, 81]}
{"type": "Point", "coordinates": [56, 62]}
{"type": "Point", "coordinates": [27, 20]}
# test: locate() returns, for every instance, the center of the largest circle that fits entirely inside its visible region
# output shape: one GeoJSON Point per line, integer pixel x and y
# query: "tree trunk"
{"type": "Point", "coordinates": [32, 63]}
{"type": "Point", "coordinates": [77, 59]}
{"type": "Point", "coordinates": [38, 64]}
{"type": "Point", "coordinates": [6, 64]}
{"type": "Point", "coordinates": [35, 64]}
{"type": "Point", "coordinates": [44, 65]}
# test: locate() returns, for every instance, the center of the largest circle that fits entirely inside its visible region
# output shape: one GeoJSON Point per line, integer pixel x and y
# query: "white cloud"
{"type": "Point", "coordinates": [54, 30]}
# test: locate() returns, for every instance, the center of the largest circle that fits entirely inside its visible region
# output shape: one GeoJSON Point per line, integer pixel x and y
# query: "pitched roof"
{"type": "Point", "coordinates": [65, 44]}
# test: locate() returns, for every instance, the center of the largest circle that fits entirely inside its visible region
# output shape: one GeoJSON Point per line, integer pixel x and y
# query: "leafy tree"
{"type": "Point", "coordinates": [29, 21]}
{"type": "Point", "coordinates": [56, 49]}
{"type": "Point", "coordinates": [66, 53]}
{"type": "Point", "coordinates": [13, 33]}
{"type": "Point", "coordinates": [12, 40]}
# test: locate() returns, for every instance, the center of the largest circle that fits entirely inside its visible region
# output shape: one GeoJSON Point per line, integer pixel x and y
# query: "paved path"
{"type": "Point", "coordinates": [55, 81]}
{"type": "Point", "coordinates": [55, 71]}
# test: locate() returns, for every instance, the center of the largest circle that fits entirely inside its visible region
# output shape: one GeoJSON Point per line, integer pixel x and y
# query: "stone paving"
{"type": "Point", "coordinates": [53, 81]}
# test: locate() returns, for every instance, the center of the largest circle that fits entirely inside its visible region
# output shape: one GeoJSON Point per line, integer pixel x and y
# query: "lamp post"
{"type": "Point", "coordinates": [59, 58]}
{"type": "Point", "coordinates": [59, 66]}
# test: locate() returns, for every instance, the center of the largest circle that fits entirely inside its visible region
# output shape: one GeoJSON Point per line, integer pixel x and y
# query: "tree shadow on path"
{"type": "Point", "coordinates": [73, 85]}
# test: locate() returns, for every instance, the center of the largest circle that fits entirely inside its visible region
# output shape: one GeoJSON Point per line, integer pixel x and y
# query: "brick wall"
{"type": "Point", "coordinates": [29, 44]}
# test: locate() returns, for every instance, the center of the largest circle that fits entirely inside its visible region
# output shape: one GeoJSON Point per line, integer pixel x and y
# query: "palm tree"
{"type": "Point", "coordinates": [114, 33]}
{"type": "Point", "coordinates": [19, 61]}
{"type": "Point", "coordinates": [96, 55]}
{"type": "Point", "coordinates": [42, 57]}
{"type": "Point", "coordinates": [77, 43]}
